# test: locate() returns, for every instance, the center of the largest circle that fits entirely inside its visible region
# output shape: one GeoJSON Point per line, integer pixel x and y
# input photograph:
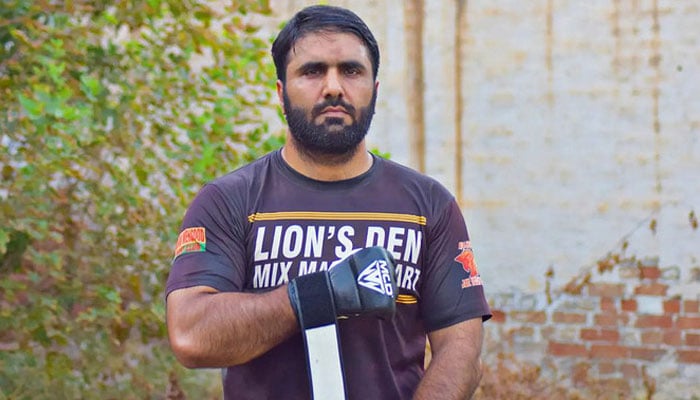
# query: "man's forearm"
{"type": "Point", "coordinates": [443, 381]}
{"type": "Point", "coordinates": [211, 329]}
{"type": "Point", "coordinates": [455, 367]}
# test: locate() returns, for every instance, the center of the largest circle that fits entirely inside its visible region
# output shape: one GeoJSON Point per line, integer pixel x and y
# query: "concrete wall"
{"type": "Point", "coordinates": [570, 133]}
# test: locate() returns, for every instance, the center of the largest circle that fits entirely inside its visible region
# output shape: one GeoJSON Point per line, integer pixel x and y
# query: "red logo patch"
{"type": "Point", "coordinates": [191, 240]}
{"type": "Point", "coordinates": [466, 259]}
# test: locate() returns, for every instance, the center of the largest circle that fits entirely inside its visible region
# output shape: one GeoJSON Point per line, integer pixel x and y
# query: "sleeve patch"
{"type": "Point", "coordinates": [191, 240]}
{"type": "Point", "coordinates": [466, 259]}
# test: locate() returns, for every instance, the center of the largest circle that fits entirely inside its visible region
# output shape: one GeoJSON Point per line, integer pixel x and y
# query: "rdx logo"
{"type": "Point", "coordinates": [376, 277]}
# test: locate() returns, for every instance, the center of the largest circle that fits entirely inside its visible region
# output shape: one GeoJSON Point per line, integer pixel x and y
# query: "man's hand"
{"type": "Point", "coordinates": [364, 283]}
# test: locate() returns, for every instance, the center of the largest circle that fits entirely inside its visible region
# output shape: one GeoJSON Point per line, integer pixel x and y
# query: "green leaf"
{"type": "Point", "coordinates": [141, 174]}
{"type": "Point", "coordinates": [90, 86]}
{"type": "Point", "coordinates": [55, 70]}
{"type": "Point", "coordinates": [33, 108]}
{"type": "Point", "coordinates": [4, 239]}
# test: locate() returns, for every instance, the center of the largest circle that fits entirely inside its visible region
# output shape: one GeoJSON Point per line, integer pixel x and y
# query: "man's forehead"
{"type": "Point", "coordinates": [322, 44]}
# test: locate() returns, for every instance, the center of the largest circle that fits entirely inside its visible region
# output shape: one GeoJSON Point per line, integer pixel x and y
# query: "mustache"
{"type": "Point", "coordinates": [336, 102]}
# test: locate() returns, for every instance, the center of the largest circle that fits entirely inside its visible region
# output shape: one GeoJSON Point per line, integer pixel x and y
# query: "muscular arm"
{"type": "Point", "coordinates": [211, 329]}
{"type": "Point", "coordinates": [455, 368]}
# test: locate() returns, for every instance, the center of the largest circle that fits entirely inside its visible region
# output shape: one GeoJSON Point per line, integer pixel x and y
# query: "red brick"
{"type": "Point", "coordinates": [589, 334]}
{"type": "Point", "coordinates": [652, 337]}
{"type": "Point", "coordinates": [629, 371]}
{"type": "Point", "coordinates": [579, 375]}
{"type": "Point", "coordinates": [688, 322]}
{"type": "Point", "coordinates": [608, 351]}
{"type": "Point", "coordinates": [654, 321]}
{"type": "Point", "coordinates": [537, 317]}
{"type": "Point", "coordinates": [611, 319]}
{"type": "Point", "coordinates": [649, 272]}
{"type": "Point", "coordinates": [672, 337]}
{"type": "Point", "coordinates": [522, 331]}
{"type": "Point", "coordinates": [606, 289]}
{"type": "Point", "coordinates": [691, 306]}
{"type": "Point", "coordinates": [568, 318]}
{"type": "Point", "coordinates": [672, 306]}
{"type": "Point", "coordinates": [615, 385]}
{"type": "Point", "coordinates": [605, 367]}
{"type": "Point", "coordinates": [646, 354]}
{"type": "Point", "coordinates": [566, 349]}
{"type": "Point", "coordinates": [498, 316]}
{"type": "Point", "coordinates": [628, 305]}
{"type": "Point", "coordinates": [547, 332]}
{"type": "Point", "coordinates": [692, 339]}
{"type": "Point", "coordinates": [600, 335]}
{"type": "Point", "coordinates": [607, 304]}
{"type": "Point", "coordinates": [652, 289]}
{"type": "Point", "coordinates": [689, 356]}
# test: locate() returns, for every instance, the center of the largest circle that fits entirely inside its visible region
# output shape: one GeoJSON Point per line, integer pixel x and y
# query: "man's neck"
{"type": "Point", "coordinates": [328, 168]}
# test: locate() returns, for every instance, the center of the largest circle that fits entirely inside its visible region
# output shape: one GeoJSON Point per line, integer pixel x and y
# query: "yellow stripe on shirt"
{"type": "Point", "coordinates": [406, 299]}
{"type": "Point", "coordinates": [337, 216]}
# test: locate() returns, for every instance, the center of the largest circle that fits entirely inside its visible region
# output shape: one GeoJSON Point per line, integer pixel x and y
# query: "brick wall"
{"type": "Point", "coordinates": [562, 127]}
{"type": "Point", "coordinates": [615, 325]}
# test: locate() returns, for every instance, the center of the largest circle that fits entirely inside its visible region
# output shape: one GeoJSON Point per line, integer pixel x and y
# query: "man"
{"type": "Point", "coordinates": [297, 210]}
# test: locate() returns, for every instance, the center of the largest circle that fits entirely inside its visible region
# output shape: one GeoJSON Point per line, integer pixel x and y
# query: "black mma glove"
{"type": "Point", "coordinates": [364, 283]}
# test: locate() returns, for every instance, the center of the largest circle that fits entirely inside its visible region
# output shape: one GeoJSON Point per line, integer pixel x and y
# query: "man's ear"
{"type": "Point", "coordinates": [280, 93]}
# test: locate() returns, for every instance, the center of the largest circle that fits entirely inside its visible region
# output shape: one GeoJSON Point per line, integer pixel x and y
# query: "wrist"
{"type": "Point", "coordinates": [311, 298]}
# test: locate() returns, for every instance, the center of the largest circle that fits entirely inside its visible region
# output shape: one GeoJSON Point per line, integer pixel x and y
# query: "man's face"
{"type": "Point", "coordinates": [329, 94]}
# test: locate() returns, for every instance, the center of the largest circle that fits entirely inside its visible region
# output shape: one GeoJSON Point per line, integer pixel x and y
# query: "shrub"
{"type": "Point", "coordinates": [113, 114]}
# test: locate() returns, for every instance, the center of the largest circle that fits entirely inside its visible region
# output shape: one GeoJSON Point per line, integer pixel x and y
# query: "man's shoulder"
{"type": "Point", "coordinates": [246, 174]}
{"type": "Point", "coordinates": [405, 175]}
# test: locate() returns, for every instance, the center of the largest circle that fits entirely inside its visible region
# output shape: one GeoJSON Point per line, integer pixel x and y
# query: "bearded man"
{"type": "Point", "coordinates": [268, 250]}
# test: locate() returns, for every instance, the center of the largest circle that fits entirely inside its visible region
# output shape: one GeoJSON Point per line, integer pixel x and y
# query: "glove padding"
{"type": "Point", "coordinates": [363, 283]}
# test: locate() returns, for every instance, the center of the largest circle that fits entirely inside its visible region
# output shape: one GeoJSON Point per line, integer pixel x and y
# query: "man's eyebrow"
{"type": "Point", "coordinates": [312, 65]}
{"type": "Point", "coordinates": [350, 64]}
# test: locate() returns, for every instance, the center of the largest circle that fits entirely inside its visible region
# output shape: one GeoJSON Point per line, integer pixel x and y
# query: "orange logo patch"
{"type": "Point", "coordinates": [191, 240]}
{"type": "Point", "coordinates": [466, 258]}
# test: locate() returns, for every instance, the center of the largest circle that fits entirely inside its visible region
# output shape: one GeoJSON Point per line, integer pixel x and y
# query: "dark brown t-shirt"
{"type": "Point", "coordinates": [264, 224]}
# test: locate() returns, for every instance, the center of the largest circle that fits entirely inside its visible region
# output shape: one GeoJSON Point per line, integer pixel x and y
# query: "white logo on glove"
{"type": "Point", "coordinates": [376, 277]}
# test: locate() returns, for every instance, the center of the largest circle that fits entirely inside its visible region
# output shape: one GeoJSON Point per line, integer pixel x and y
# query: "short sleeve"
{"type": "Point", "coordinates": [210, 245]}
{"type": "Point", "coordinates": [452, 290]}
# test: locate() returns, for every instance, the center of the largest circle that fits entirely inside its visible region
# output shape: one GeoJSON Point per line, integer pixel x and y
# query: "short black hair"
{"type": "Point", "coordinates": [318, 19]}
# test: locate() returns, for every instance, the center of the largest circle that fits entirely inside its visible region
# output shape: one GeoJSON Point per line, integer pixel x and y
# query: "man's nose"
{"type": "Point", "coordinates": [333, 86]}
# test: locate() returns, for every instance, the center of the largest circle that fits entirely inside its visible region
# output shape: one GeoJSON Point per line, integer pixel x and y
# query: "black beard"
{"type": "Point", "coordinates": [329, 142]}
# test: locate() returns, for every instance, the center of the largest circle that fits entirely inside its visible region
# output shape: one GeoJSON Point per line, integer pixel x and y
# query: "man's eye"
{"type": "Point", "coordinates": [352, 71]}
{"type": "Point", "coordinates": [312, 72]}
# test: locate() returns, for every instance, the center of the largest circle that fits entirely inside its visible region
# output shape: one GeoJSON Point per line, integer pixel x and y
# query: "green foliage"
{"type": "Point", "coordinates": [380, 153]}
{"type": "Point", "coordinates": [112, 116]}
